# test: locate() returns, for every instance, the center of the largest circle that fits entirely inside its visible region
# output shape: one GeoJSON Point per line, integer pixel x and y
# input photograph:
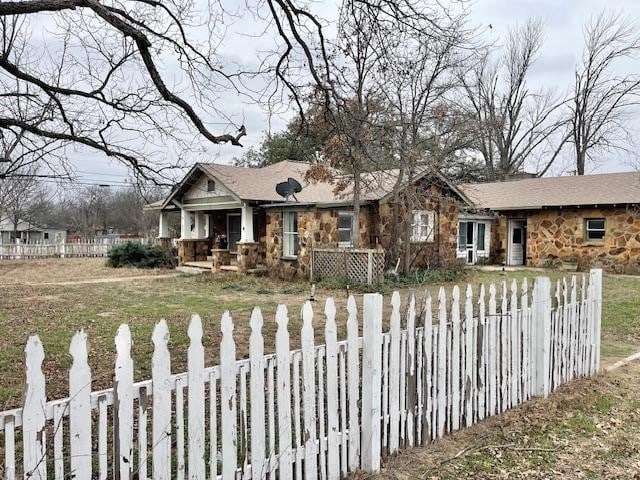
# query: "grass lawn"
{"type": "Point", "coordinates": [32, 300]}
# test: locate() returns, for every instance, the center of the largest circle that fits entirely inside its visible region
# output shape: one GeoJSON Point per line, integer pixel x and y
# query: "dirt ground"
{"type": "Point", "coordinates": [588, 429]}
{"type": "Point", "coordinates": [55, 270]}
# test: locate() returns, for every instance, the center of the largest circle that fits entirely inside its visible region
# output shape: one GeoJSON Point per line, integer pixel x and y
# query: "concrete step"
{"type": "Point", "coordinates": [191, 270]}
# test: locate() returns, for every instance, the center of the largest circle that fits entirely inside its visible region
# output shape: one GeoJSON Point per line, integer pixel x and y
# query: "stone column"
{"type": "Point", "coordinates": [247, 256]}
{"type": "Point", "coordinates": [220, 257]}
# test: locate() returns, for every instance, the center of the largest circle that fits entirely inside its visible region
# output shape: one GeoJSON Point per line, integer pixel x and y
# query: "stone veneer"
{"type": "Point", "coordinates": [193, 250]}
{"type": "Point", "coordinates": [316, 227]}
{"type": "Point", "coordinates": [248, 256]}
{"type": "Point", "coordinates": [558, 234]}
{"type": "Point", "coordinates": [442, 249]}
{"type": "Point", "coordinates": [219, 257]}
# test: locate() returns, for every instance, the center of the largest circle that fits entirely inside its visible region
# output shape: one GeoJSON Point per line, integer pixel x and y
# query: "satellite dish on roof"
{"type": "Point", "coordinates": [289, 188]}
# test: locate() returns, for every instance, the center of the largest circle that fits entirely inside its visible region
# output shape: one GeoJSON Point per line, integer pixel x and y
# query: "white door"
{"type": "Point", "coordinates": [467, 233]}
{"type": "Point", "coordinates": [517, 238]}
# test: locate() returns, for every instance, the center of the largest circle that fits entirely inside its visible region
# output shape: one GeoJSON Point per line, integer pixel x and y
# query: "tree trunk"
{"type": "Point", "coordinates": [580, 162]}
{"type": "Point", "coordinates": [355, 239]}
{"type": "Point", "coordinates": [407, 252]}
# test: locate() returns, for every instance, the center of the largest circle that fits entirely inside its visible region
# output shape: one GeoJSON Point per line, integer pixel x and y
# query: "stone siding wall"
{"type": "Point", "coordinates": [316, 227]}
{"type": "Point", "coordinates": [559, 234]}
{"type": "Point", "coordinates": [193, 250]}
{"type": "Point", "coordinates": [425, 254]}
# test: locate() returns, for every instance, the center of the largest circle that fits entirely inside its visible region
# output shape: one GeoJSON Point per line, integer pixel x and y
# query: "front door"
{"type": "Point", "coordinates": [234, 230]}
{"type": "Point", "coordinates": [517, 241]}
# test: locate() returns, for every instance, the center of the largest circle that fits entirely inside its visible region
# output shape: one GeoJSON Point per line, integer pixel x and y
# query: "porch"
{"type": "Point", "coordinates": [220, 238]}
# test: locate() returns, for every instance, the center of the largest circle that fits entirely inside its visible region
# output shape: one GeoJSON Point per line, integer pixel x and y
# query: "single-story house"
{"type": "Point", "coordinates": [27, 232]}
{"type": "Point", "coordinates": [591, 220]}
{"type": "Point", "coordinates": [234, 218]}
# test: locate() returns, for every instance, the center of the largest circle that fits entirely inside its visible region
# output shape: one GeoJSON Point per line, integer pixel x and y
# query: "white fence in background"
{"type": "Point", "coordinates": [322, 411]}
{"type": "Point", "coordinates": [21, 251]}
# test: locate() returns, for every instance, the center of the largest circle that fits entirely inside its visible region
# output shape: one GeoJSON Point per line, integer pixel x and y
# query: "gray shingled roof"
{"type": "Point", "coordinates": [259, 184]}
{"type": "Point", "coordinates": [602, 189]}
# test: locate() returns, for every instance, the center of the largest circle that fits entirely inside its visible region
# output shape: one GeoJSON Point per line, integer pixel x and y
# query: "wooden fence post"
{"type": "Point", "coordinates": [79, 408]}
{"type": "Point", "coordinates": [394, 377]}
{"type": "Point", "coordinates": [33, 412]}
{"type": "Point", "coordinates": [596, 312]}
{"type": "Point", "coordinates": [283, 358]}
{"type": "Point", "coordinates": [541, 332]}
{"type": "Point", "coordinates": [228, 408]}
{"type": "Point", "coordinates": [123, 406]}
{"type": "Point", "coordinates": [161, 419]}
{"type": "Point", "coordinates": [309, 393]}
{"type": "Point", "coordinates": [196, 423]}
{"type": "Point", "coordinates": [353, 381]}
{"type": "Point", "coordinates": [256, 354]}
{"type": "Point", "coordinates": [371, 382]}
{"type": "Point", "coordinates": [331, 360]}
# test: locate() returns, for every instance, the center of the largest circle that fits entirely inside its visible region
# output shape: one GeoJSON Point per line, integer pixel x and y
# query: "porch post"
{"type": "Point", "coordinates": [163, 225]}
{"type": "Point", "coordinates": [185, 224]}
{"type": "Point", "coordinates": [200, 225]}
{"type": "Point", "coordinates": [246, 235]}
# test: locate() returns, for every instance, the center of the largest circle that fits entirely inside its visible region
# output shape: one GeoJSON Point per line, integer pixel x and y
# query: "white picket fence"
{"type": "Point", "coordinates": [23, 251]}
{"type": "Point", "coordinates": [321, 411]}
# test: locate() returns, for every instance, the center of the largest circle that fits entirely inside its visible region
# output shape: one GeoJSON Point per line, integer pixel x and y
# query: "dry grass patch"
{"type": "Point", "coordinates": [588, 429]}
{"type": "Point", "coordinates": [50, 270]}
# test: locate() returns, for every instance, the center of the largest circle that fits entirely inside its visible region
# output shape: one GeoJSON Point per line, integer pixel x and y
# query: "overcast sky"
{"type": "Point", "coordinates": [563, 21]}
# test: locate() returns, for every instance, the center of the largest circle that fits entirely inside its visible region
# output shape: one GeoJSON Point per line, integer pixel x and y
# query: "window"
{"type": "Point", "coordinates": [192, 221]}
{"type": "Point", "coordinates": [517, 235]}
{"type": "Point", "coordinates": [462, 236]}
{"type": "Point", "coordinates": [422, 226]}
{"type": "Point", "coordinates": [211, 186]}
{"type": "Point", "coordinates": [594, 229]}
{"type": "Point", "coordinates": [345, 229]}
{"type": "Point", "coordinates": [480, 238]}
{"type": "Point", "coordinates": [45, 235]}
{"type": "Point", "coordinates": [290, 234]}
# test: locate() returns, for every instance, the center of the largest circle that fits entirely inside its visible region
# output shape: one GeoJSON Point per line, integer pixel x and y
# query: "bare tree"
{"type": "Point", "coordinates": [19, 199]}
{"type": "Point", "coordinates": [357, 113]}
{"type": "Point", "coordinates": [513, 125]}
{"type": "Point", "coordinates": [419, 77]}
{"type": "Point", "coordinates": [601, 100]}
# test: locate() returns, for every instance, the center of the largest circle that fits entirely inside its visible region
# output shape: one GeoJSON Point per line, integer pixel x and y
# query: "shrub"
{"type": "Point", "coordinates": [141, 255]}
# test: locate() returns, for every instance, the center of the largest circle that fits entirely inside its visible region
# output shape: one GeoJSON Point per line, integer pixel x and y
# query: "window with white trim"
{"type": "Point", "coordinates": [422, 226]}
{"type": "Point", "coordinates": [345, 229]}
{"type": "Point", "coordinates": [480, 236]}
{"type": "Point", "coordinates": [211, 185]}
{"type": "Point", "coordinates": [594, 229]}
{"type": "Point", "coordinates": [290, 234]}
